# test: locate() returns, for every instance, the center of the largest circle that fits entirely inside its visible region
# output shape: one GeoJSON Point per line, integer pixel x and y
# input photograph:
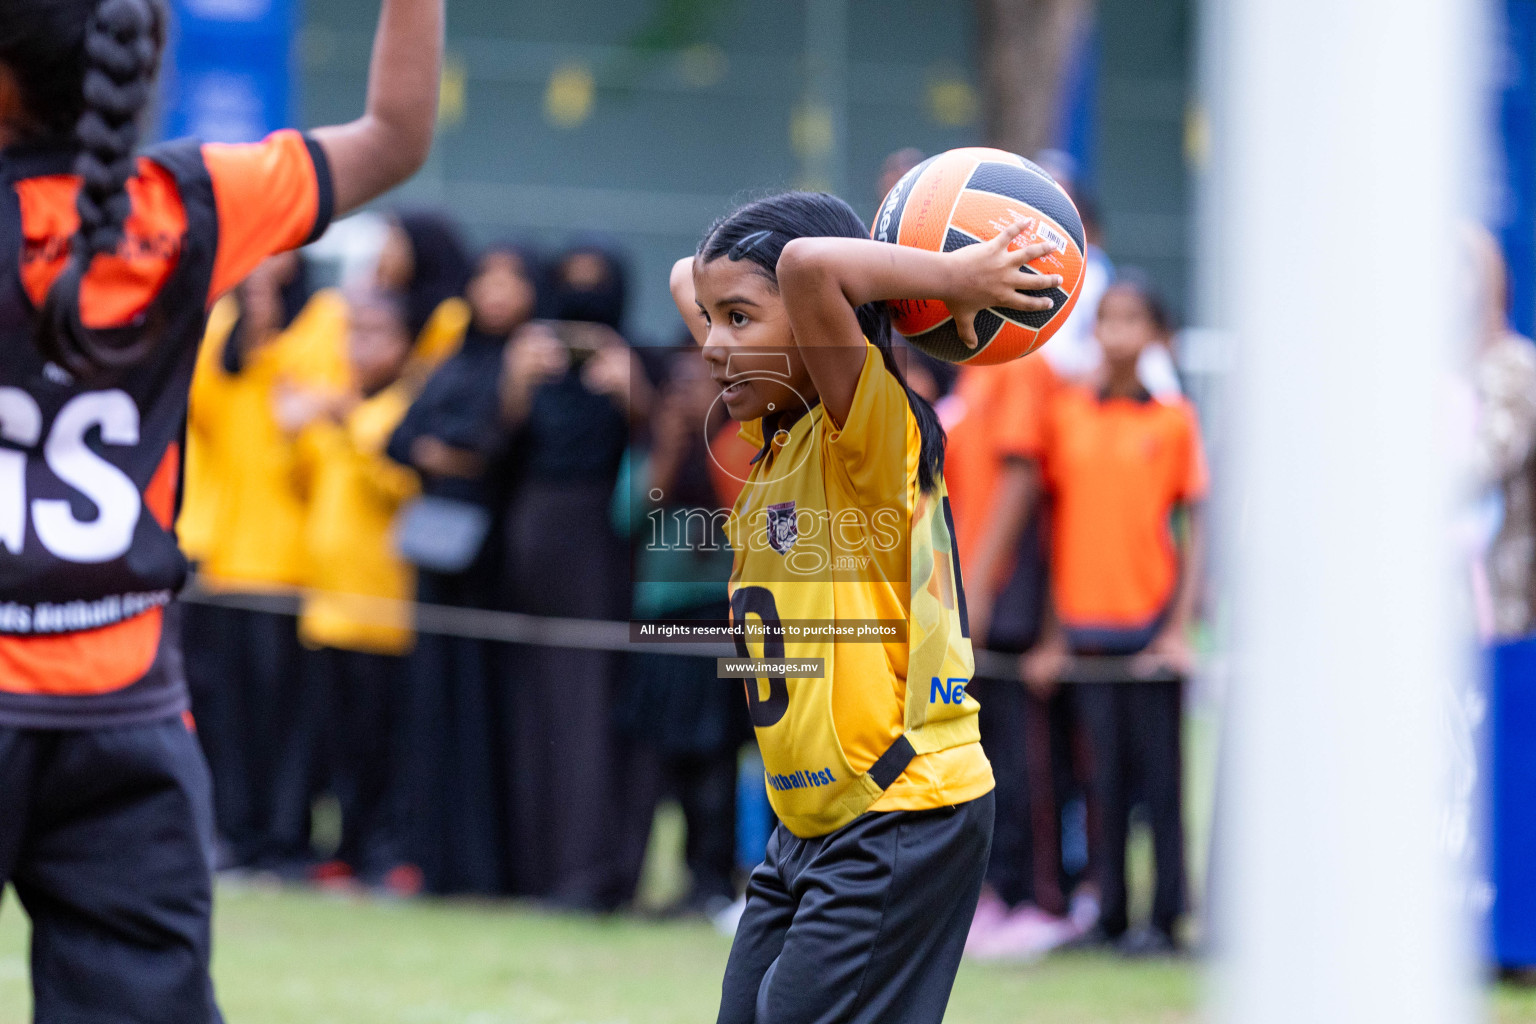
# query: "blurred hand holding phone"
{"type": "Point", "coordinates": [543, 350]}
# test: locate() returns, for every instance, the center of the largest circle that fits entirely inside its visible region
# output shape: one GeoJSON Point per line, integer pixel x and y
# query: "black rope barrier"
{"type": "Point", "coordinates": [607, 635]}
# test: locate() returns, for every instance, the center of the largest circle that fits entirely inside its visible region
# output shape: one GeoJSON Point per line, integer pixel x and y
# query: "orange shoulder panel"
{"type": "Point", "coordinates": [268, 199]}
{"type": "Point", "coordinates": [121, 285]}
{"type": "Point", "coordinates": [1023, 397]}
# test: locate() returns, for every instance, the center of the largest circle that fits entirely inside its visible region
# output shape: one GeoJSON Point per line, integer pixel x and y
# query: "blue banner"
{"type": "Point", "coordinates": [1511, 799]}
{"type": "Point", "coordinates": [1515, 216]}
{"type": "Point", "coordinates": [1078, 106]}
{"type": "Point", "coordinates": [229, 77]}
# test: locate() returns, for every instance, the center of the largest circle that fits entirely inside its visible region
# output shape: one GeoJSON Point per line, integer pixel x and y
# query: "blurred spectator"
{"type": "Point", "coordinates": [591, 285]}
{"type": "Point", "coordinates": [244, 519]}
{"type": "Point", "coordinates": [569, 391]}
{"type": "Point", "coordinates": [356, 616]}
{"type": "Point", "coordinates": [683, 725]}
{"type": "Point", "coordinates": [448, 437]}
{"type": "Point", "coordinates": [1074, 352]}
{"type": "Point", "coordinates": [893, 167]}
{"type": "Point", "coordinates": [425, 260]}
{"type": "Point", "coordinates": [995, 420]}
{"type": "Point", "coordinates": [1119, 465]}
{"type": "Point", "coordinates": [1504, 452]}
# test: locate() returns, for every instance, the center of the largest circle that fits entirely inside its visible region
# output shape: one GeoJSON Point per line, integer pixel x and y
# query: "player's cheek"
{"type": "Point", "coordinates": [784, 397]}
{"type": "Point", "coordinates": [753, 402]}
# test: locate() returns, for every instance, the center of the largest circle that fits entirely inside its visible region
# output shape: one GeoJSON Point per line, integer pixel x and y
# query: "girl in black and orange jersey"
{"type": "Point", "coordinates": [111, 262]}
{"type": "Point", "coordinates": [874, 764]}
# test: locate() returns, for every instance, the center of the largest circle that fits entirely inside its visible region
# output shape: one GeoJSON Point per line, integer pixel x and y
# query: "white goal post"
{"type": "Point", "coordinates": [1345, 134]}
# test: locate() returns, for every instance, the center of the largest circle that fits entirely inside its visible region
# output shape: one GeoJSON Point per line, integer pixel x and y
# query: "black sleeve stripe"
{"type": "Point", "coordinates": [954, 553]}
{"type": "Point", "coordinates": [326, 208]}
{"type": "Point", "coordinates": [889, 766]}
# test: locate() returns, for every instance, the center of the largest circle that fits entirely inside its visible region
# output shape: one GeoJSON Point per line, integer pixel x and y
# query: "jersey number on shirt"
{"type": "Point", "coordinates": [759, 601]}
{"type": "Point", "coordinates": [117, 500]}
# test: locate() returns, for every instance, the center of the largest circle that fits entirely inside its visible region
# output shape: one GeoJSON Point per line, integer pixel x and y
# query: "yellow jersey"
{"type": "Point", "coordinates": [244, 508]}
{"type": "Point", "coordinates": [355, 493]}
{"type": "Point", "coordinates": [834, 538]}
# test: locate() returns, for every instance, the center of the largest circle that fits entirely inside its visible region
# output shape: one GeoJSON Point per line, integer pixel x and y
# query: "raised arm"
{"type": "Point", "coordinates": [389, 143]}
{"type": "Point", "coordinates": [823, 281]}
{"type": "Point", "coordinates": [682, 294]}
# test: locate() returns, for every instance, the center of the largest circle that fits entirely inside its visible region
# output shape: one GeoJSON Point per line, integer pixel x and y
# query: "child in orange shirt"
{"type": "Point", "coordinates": [995, 417]}
{"type": "Point", "coordinates": [1120, 465]}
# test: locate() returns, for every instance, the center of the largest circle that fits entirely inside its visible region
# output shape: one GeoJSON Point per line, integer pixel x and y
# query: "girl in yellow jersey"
{"type": "Point", "coordinates": [844, 555]}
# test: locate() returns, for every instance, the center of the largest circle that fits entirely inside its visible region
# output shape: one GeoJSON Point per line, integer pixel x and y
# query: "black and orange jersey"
{"type": "Point", "coordinates": [89, 469]}
{"type": "Point", "coordinates": [1117, 468]}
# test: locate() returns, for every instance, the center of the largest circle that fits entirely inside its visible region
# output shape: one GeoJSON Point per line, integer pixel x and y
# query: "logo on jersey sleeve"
{"type": "Point", "coordinates": [783, 530]}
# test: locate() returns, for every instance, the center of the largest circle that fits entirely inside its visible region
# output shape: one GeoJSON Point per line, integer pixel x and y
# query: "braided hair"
{"type": "Point", "coordinates": [758, 233]}
{"type": "Point", "coordinates": [85, 70]}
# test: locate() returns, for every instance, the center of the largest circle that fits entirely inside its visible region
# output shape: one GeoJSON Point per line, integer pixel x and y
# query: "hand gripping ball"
{"type": "Point", "coordinates": [965, 196]}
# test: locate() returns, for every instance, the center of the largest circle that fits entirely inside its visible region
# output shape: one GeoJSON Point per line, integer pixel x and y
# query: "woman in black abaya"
{"type": "Point", "coordinates": [453, 814]}
{"type": "Point", "coordinates": [569, 392]}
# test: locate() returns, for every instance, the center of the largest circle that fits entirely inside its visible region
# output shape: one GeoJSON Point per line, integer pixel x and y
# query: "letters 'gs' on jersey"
{"type": "Point", "coordinates": [832, 528]}
{"type": "Point", "coordinates": [90, 469]}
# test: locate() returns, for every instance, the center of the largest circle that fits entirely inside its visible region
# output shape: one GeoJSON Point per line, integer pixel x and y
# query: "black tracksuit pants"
{"type": "Point", "coordinates": [1134, 732]}
{"type": "Point", "coordinates": [863, 925]}
{"type": "Point", "coordinates": [366, 694]}
{"type": "Point", "coordinates": [107, 835]}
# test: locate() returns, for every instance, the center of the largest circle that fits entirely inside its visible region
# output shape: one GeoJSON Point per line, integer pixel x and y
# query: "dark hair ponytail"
{"type": "Point", "coordinates": [86, 71]}
{"type": "Point", "coordinates": [758, 233]}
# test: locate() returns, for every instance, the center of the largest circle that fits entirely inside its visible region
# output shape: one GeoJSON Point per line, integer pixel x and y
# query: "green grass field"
{"type": "Point", "coordinates": [302, 958]}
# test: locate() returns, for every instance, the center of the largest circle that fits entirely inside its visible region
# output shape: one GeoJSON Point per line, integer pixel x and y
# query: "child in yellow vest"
{"type": "Point", "coordinates": [244, 513]}
{"type": "Point", "coordinates": [356, 610]}
{"type": "Point", "coordinates": [242, 521]}
{"type": "Point", "coordinates": [860, 909]}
